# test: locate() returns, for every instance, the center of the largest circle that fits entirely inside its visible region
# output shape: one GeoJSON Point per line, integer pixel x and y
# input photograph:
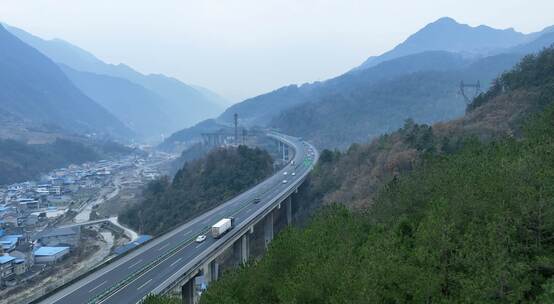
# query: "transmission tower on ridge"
{"type": "Point", "coordinates": [476, 90]}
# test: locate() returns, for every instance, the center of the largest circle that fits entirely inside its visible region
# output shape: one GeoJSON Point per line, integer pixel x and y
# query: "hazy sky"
{"type": "Point", "coordinates": [243, 48]}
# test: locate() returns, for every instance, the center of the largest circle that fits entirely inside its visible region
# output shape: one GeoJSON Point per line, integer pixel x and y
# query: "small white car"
{"type": "Point", "coordinates": [293, 174]}
{"type": "Point", "coordinates": [200, 238]}
{"type": "Point", "coordinates": [285, 173]}
{"type": "Point", "coordinates": [284, 181]}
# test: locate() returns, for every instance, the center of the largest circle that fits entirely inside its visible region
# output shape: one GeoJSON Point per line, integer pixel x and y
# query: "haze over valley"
{"type": "Point", "coordinates": [352, 153]}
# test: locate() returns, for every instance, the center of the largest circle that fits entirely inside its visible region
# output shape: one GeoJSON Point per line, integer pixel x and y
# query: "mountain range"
{"type": "Point", "coordinates": [34, 88]}
{"type": "Point", "coordinates": [122, 96]}
{"type": "Point", "coordinates": [420, 79]}
{"type": "Point", "coordinates": [417, 79]}
{"type": "Point", "coordinates": [61, 105]}
{"type": "Point", "coordinates": [366, 109]}
{"type": "Point", "coordinates": [448, 35]}
{"type": "Point", "coordinates": [154, 97]}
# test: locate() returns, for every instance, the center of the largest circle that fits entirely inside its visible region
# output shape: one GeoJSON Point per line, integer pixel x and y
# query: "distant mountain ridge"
{"type": "Point", "coordinates": [370, 104]}
{"type": "Point", "coordinates": [260, 109]}
{"type": "Point", "coordinates": [331, 113]}
{"type": "Point", "coordinates": [34, 88]}
{"type": "Point", "coordinates": [183, 104]}
{"type": "Point", "coordinates": [365, 110]}
{"type": "Point", "coordinates": [418, 53]}
{"type": "Point", "coordinates": [448, 35]}
{"type": "Point", "coordinates": [130, 102]}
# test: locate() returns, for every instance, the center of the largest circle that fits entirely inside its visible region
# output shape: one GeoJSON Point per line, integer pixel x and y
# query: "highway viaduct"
{"type": "Point", "coordinates": [171, 263]}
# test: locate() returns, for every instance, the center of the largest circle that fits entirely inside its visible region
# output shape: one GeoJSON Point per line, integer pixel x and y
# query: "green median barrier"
{"type": "Point", "coordinates": [158, 260]}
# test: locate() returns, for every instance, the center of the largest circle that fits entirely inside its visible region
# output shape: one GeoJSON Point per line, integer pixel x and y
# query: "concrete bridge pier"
{"type": "Point", "coordinates": [257, 239]}
{"type": "Point", "coordinates": [288, 203]}
{"type": "Point", "coordinates": [214, 270]}
{"type": "Point", "coordinates": [283, 151]}
{"type": "Point", "coordinates": [281, 148]}
{"type": "Point", "coordinates": [244, 248]}
{"type": "Point", "coordinates": [268, 229]}
{"type": "Point", "coordinates": [188, 291]}
{"type": "Point", "coordinates": [241, 250]}
{"type": "Point", "coordinates": [210, 271]}
{"type": "Point", "coordinates": [206, 271]}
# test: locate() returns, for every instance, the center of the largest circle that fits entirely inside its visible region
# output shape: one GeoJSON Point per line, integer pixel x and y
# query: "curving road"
{"type": "Point", "coordinates": [144, 270]}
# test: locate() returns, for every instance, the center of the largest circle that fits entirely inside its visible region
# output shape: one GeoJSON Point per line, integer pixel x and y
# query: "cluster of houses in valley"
{"type": "Point", "coordinates": [22, 257]}
{"type": "Point", "coordinates": [32, 236]}
{"type": "Point", "coordinates": [30, 210]}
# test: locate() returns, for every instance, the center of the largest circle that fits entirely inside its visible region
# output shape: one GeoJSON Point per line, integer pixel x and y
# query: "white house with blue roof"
{"type": "Point", "coordinates": [8, 242]}
{"type": "Point", "coordinates": [49, 255]}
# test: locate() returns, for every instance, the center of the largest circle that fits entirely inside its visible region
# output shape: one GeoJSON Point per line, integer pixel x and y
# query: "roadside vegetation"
{"type": "Point", "coordinates": [200, 185]}
{"type": "Point", "coordinates": [21, 162]}
{"type": "Point", "coordinates": [155, 299]}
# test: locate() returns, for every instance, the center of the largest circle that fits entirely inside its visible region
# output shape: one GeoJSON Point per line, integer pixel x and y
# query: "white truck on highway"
{"type": "Point", "coordinates": [221, 227]}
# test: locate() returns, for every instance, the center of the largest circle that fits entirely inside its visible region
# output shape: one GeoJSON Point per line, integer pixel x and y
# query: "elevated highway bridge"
{"type": "Point", "coordinates": [171, 263]}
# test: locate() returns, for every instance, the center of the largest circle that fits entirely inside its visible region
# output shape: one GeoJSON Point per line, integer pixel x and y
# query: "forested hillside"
{"type": "Point", "coordinates": [21, 162]}
{"type": "Point", "coordinates": [463, 214]}
{"type": "Point", "coordinates": [200, 185]}
{"type": "Point", "coordinates": [371, 108]}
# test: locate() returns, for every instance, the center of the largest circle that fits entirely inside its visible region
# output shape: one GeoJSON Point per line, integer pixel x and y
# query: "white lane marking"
{"type": "Point", "coordinates": [249, 209]}
{"type": "Point", "coordinates": [161, 248]}
{"type": "Point", "coordinates": [97, 286]}
{"type": "Point", "coordinates": [198, 246]}
{"type": "Point", "coordinates": [188, 232]}
{"type": "Point", "coordinates": [144, 284]}
{"type": "Point", "coordinates": [177, 261]}
{"type": "Point", "coordinates": [135, 263]}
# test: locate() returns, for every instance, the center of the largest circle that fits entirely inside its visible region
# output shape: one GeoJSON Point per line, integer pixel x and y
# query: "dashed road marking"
{"type": "Point", "coordinates": [97, 286]}
{"type": "Point", "coordinates": [161, 248]}
{"type": "Point", "coordinates": [135, 263]}
{"type": "Point", "coordinates": [177, 261]}
{"type": "Point", "coordinates": [144, 284]}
